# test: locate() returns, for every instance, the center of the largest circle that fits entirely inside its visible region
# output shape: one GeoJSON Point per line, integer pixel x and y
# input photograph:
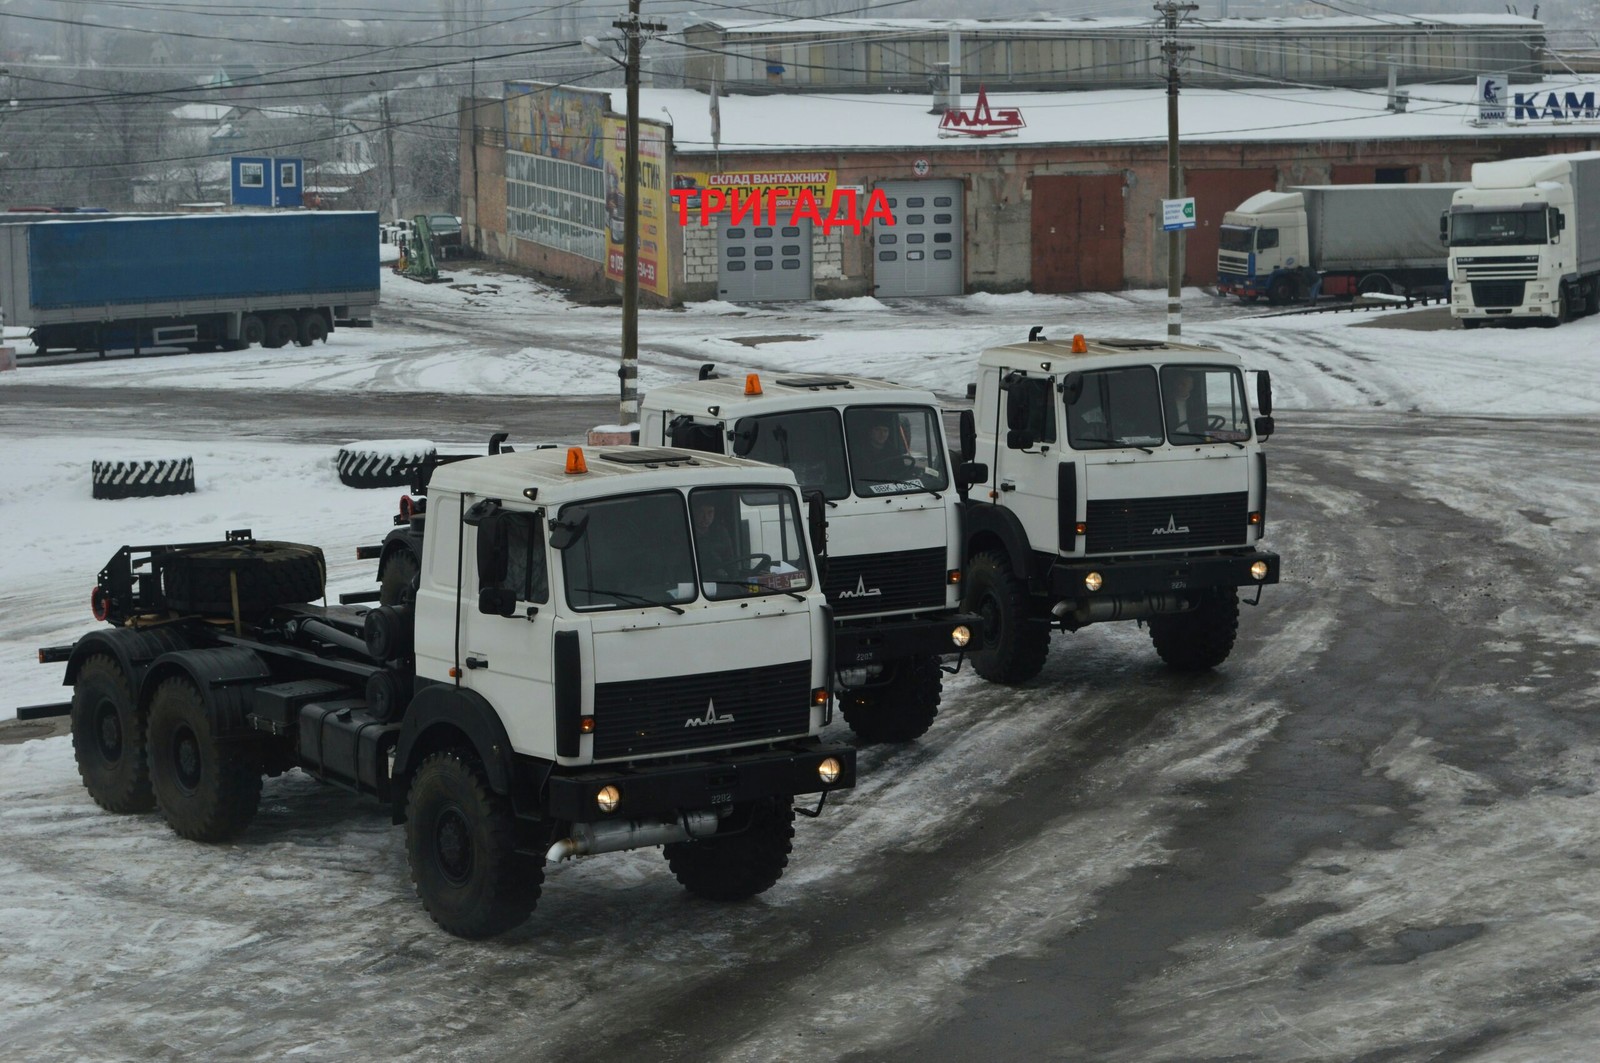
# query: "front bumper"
{"type": "Point", "coordinates": [1123, 578]}
{"type": "Point", "coordinates": [716, 780]}
{"type": "Point", "coordinates": [855, 645]}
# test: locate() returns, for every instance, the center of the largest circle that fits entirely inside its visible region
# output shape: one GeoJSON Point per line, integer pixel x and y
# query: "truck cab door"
{"type": "Point", "coordinates": [508, 625]}
{"type": "Point", "coordinates": [1029, 434]}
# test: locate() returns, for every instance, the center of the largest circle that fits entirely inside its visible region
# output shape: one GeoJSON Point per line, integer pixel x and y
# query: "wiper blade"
{"type": "Point", "coordinates": [636, 599]}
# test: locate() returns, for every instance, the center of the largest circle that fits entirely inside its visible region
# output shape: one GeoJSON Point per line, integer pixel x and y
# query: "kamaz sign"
{"type": "Point", "coordinates": [1565, 107]}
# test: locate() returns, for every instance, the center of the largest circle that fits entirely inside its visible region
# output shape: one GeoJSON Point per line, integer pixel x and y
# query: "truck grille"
{"type": "Point", "coordinates": [1182, 522]}
{"type": "Point", "coordinates": [645, 716]}
{"type": "Point", "coordinates": [879, 583]}
{"type": "Point", "coordinates": [1233, 265]}
{"type": "Point", "coordinates": [1498, 267]}
{"type": "Point", "coordinates": [1497, 293]}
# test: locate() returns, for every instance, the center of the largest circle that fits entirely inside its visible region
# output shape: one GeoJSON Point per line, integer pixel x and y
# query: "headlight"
{"type": "Point", "coordinates": [960, 636]}
{"type": "Point", "coordinates": [608, 798]}
{"type": "Point", "coordinates": [828, 770]}
{"type": "Point", "coordinates": [1259, 570]}
{"type": "Point", "coordinates": [1093, 581]}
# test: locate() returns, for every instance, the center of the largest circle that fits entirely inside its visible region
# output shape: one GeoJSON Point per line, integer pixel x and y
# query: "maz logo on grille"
{"type": "Point", "coordinates": [710, 719]}
{"type": "Point", "coordinates": [861, 590]}
{"type": "Point", "coordinates": [1172, 528]}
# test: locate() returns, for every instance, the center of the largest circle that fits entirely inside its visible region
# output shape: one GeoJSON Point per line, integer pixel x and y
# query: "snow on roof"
{"type": "Point", "coordinates": [828, 121]}
{"type": "Point", "coordinates": [1056, 25]}
{"type": "Point", "coordinates": [201, 112]}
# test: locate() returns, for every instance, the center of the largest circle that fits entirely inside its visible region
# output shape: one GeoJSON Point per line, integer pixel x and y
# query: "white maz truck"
{"type": "Point", "coordinates": [1525, 240]}
{"type": "Point", "coordinates": [875, 453]}
{"type": "Point", "coordinates": [1125, 481]}
{"type": "Point", "coordinates": [1337, 240]}
{"type": "Point", "coordinates": [544, 685]}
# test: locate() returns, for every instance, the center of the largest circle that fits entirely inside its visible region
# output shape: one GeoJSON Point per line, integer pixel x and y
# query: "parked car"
{"type": "Point", "coordinates": [446, 230]}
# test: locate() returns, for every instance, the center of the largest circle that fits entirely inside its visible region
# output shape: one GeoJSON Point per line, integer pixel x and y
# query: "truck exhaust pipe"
{"type": "Point", "coordinates": [612, 836]}
{"type": "Point", "coordinates": [1074, 615]}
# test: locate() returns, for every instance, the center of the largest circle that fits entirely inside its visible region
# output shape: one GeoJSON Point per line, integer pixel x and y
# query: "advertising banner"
{"type": "Point", "coordinates": [782, 185]}
{"type": "Point", "coordinates": [557, 123]}
{"type": "Point", "coordinates": [653, 274]}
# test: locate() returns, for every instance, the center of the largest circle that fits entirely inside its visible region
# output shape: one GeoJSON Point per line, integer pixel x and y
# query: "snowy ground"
{"type": "Point", "coordinates": [117, 939]}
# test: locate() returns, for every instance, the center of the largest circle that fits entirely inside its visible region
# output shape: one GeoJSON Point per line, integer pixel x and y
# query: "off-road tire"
{"type": "Point", "coordinates": [364, 468]}
{"type": "Point", "coordinates": [397, 582]}
{"type": "Point", "coordinates": [313, 328]}
{"type": "Point", "coordinates": [108, 737]}
{"type": "Point", "coordinates": [1201, 639]}
{"type": "Point", "coordinates": [208, 786]}
{"type": "Point", "coordinates": [142, 479]}
{"type": "Point", "coordinates": [899, 710]}
{"type": "Point", "coordinates": [281, 331]}
{"type": "Point", "coordinates": [742, 863]}
{"type": "Point", "coordinates": [1282, 292]}
{"type": "Point", "coordinates": [461, 843]}
{"type": "Point", "coordinates": [268, 573]}
{"type": "Point", "coordinates": [1014, 643]}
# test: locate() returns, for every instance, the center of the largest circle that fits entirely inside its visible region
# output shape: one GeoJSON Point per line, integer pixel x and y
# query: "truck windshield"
{"type": "Point", "coordinates": [1116, 408]}
{"type": "Point", "coordinates": [634, 551]}
{"type": "Point", "coordinates": [808, 443]}
{"type": "Point", "coordinates": [1236, 238]}
{"type": "Point", "coordinates": [894, 450]}
{"type": "Point", "coordinates": [748, 542]}
{"type": "Point", "coordinates": [1486, 228]}
{"type": "Point", "coordinates": [1204, 404]}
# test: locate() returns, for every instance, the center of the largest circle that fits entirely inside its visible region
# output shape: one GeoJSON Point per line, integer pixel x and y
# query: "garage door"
{"type": "Point", "coordinates": [920, 254]}
{"type": "Point", "coordinates": [1077, 232]}
{"type": "Point", "coordinates": [764, 263]}
{"type": "Point", "coordinates": [1215, 193]}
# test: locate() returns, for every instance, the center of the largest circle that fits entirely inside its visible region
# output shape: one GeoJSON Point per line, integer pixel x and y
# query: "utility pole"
{"type": "Point", "coordinates": [388, 136]}
{"type": "Point", "coordinates": [629, 373]}
{"type": "Point", "coordinates": [1172, 50]}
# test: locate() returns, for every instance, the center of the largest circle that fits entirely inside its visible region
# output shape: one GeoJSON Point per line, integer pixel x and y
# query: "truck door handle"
{"type": "Point", "coordinates": [477, 662]}
{"type": "Point", "coordinates": [1008, 486]}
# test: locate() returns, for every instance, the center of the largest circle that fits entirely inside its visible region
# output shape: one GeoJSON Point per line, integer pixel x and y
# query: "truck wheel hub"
{"type": "Point", "coordinates": [108, 730]}
{"type": "Point", "coordinates": [186, 759]}
{"type": "Point", "coordinates": [453, 843]}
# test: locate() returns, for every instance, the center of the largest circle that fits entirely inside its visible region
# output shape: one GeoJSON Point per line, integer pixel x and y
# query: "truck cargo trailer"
{"type": "Point", "coordinates": [205, 282]}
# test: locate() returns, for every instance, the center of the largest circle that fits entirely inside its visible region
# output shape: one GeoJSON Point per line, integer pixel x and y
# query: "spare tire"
{"type": "Point", "coordinates": [143, 479]}
{"type": "Point", "coordinates": [383, 463]}
{"type": "Point", "coordinates": [202, 579]}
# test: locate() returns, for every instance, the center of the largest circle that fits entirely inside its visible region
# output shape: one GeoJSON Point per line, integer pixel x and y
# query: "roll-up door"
{"type": "Point", "coordinates": [920, 254]}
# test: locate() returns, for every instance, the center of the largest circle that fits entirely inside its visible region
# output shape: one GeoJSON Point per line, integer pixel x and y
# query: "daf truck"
{"type": "Point", "coordinates": [1524, 240]}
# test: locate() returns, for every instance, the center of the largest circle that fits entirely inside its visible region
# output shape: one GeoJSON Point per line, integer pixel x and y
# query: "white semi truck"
{"type": "Point", "coordinates": [1337, 240]}
{"type": "Point", "coordinates": [1525, 240]}
{"type": "Point", "coordinates": [542, 686]}
{"type": "Point", "coordinates": [1125, 480]}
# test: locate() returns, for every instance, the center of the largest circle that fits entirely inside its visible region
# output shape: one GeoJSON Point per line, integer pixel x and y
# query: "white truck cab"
{"type": "Point", "coordinates": [1125, 480]}
{"type": "Point", "coordinates": [875, 453]}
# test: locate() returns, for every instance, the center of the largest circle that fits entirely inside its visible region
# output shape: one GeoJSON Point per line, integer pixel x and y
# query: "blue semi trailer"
{"type": "Point", "coordinates": [205, 282]}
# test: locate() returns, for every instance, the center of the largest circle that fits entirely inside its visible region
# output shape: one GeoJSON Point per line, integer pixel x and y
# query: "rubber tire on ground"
{"type": "Point", "coordinates": [208, 786]}
{"type": "Point", "coordinates": [1375, 284]}
{"type": "Point", "coordinates": [362, 468]}
{"type": "Point", "coordinates": [267, 573]}
{"type": "Point", "coordinates": [397, 580]}
{"type": "Point", "coordinates": [281, 331]}
{"type": "Point", "coordinates": [1282, 292]}
{"type": "Point", "coordinates": [1470, 322]}
{"type": "Point", "coordinates": [108, 737]}
{"type": "Point", "coordinates": [1201, 639]}
{"type": "Point", "coordinates": [739, 865]}
{"type": "Point", "coordinates": [899, 710]}
{"type": "Point", "coordinates": [1014, 644]}
{"type": "Point", "coordinates": [313, 328]}
{"type": "Point", "coordinates": [461, 843]}
{"type": "Point", "coordinates": [142, 479]}
{"type": "Point", "coordinates": [252, 330]}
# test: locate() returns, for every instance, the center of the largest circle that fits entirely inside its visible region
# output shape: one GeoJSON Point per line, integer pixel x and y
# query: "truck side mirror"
{"type": "Point", "coordinates": [817, 524]}
{"type": "Point", "coordinates": [1558, 222]}
{"type": "Point", "coordinates": [1264, 393]}
{"type": "Point", "coordinates": [968, 433]}
{"type": "Point", "coordinates": [1017, 408]}
{"type": "Point", "coordinates": [494, 550]}
{"type": "Point", "coordinates": [1264, 427]}
{"type": "Point", "coordinates": [497, 601]}
{"type": "Point", "coordinates": [1018, 439]}
{"type": "Point", "coordinates": [744, 436]}
{"type": "Point", "coordinates": [1072, 388]}
{"type": "Point", "coordinates": [969, 473]}
{"type": "Point", "coordinates": [1444, 227]}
